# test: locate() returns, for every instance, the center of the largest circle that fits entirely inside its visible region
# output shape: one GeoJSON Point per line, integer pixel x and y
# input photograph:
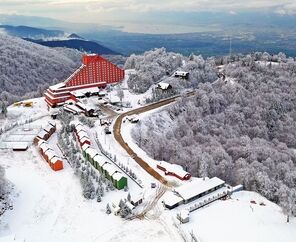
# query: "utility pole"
{"type": "Point", "coordinates": [230, 46]}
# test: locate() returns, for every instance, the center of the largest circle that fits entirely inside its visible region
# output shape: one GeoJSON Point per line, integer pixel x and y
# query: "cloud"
{"type": "Point", "coordinates": [100, 10]}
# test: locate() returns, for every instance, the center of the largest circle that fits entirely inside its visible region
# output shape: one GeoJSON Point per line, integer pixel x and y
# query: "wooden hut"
{"type": "Point", "coordinates": [82, 134]}
{"type": "Point", "coordinates": [119, 180]}
{"type": "Point", "coordinates": [41, 135]}
{"type": "Point", "coordinates": [100, 165]}
{"type": "Point", "coordinates": [136, 199]}
{"type": "Point", "coordinates": [49, 129]}
{"type": "Point", "coordinates": [79, 128]}
{"type": "Point", "coordinates": [84, 148]}
{"type": "Point", "coordinates": [97, 162]}
{"type": "Point", "coordinates": [43, 148]}
{"type": "Point", "coordinates": [109, 171]}
{"type": "Point", "coordinates": [19, 146]}
{"type": "Point", "coordinates": [84, 141]}
{"type": "Point", "coordinates": [90, 154]}
{"type": "Point", "coordinates": [48, 155]}
{"type": "Point", "coordinates": [56, 163]}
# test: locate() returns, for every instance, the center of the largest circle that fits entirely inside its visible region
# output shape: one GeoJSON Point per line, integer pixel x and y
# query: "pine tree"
{"type": "Point", "coordinates": [129, 197]}
{"type": "Point", "coordinates": [108, 210]}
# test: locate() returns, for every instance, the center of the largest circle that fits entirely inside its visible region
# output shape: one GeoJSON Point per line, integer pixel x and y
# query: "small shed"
{"type": "Point", "coordinates": [84, 148]}
{"type": "Point", "coordinates": [136, 199]}
{"type": "Point", "coordinates": [97, 162]}
{"type": "Point", "coordinates": [101, 164]}
{"type": "Point", "coordinates": [56, 163]}
{"type": "Point", "coordinates": [79, 128]}
{"type": "Point", "coordinates": [84, 141]}
{"type": "Point", "coordinates": [164, 86]}
{"type": "Point", "coordinates": [82, 134]}
{"type": "Point", "coordinates": [119, 180]}
{"type": "Point", "coordinates": [182, 74]}
{"type": "Point", "coordinates": [19, 146]}
{"type": "Point", "coordinates": [44, 147]}
{"type": "Point", "coordinates": [41, 135]}
{"type": "Point", "coordinates": [115, 209]}
{"type": "Point", "coordinates": [52, 123]}
{"type": "Point", "coordinates": [109, 171]}
{"type": "Point", "coordinates": [49, 129]}
{"type": "Point", "coordinates": [90, 154]}
{"type": "Point", "coordinates": [41, 141]}
{"type": "Point", "coordinates": [129, 205]}
{"type": "Point", "coordinates": [48, 155]}
{"type": "Point", "coordinates": [183, 216]}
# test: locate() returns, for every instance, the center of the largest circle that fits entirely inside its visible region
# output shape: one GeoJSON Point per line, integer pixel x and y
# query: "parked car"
{"type": "Point", "coordinates": [153, 184]}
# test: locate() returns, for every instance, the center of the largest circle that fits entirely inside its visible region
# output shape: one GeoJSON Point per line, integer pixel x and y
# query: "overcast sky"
{"type": "Point", "coordinates": [106, 10]}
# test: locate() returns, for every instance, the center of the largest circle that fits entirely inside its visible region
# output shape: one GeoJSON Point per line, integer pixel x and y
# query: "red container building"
{"type": "Point", "coordinates": [95, 71]}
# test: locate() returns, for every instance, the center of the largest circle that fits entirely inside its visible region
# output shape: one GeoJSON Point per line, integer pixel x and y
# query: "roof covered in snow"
{"type": "Point", "coordinates": [19, 145]}
{"type": "Point", "coordinates": [181, 73]}
{"type": "Point", "coordinates": [85, 146]}
{"type": "Point", "coordinates": [44, 147]}
{"type": "Point", "coordinates": [42, 133]}
{"type": "Point", "coordinates": [117, 175]}
{"type": "Point", "coordinates": [193, 189]}
{"type": "Point", "coordinates": [111, 169]}
{"type": "Point", "coordinates": [171, 199]}
{"type": "Point", "coordinates": [55, 159]}
{"type": "Point", "coordinates": [177, 169]}
{"type": "Point", "coordinates": [163, 85]}
{"type": "Point", "coordinates": [57, 86]}
{"type": "Point", "coordinates": [82, 134]}
{"type": "Point", "coordinates": [48, 127]}
{"type": "Point", "coordinates": [82, 92]}
{"type": "Point", "coordinates": [91, 152]}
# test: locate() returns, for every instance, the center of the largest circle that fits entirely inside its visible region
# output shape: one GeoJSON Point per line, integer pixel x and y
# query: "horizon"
{"type": "Point", "coordinates": [156, 17]}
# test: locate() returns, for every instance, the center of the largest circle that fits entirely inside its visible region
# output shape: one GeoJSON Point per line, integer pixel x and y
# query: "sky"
{"type": "Point", "coordinates": [101, 10]}
{"type": "Point", "coordinates": [158, 12]}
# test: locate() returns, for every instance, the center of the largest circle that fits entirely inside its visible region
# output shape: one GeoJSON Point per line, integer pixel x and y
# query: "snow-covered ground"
{"type": "Point", "coordinates": [237, 219]}
{"type": "Point", "coordinates": [49, 206]}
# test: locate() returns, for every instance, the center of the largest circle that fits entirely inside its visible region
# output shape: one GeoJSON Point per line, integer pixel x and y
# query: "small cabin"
{"type": "Point", "coordinates": [181, 74]}
{"type": "Point", "coordinates": [119, 180]}
{"type": "Point", "coordinates": [164, 86]}
{"type": "Point", "coordinates": [19, 146]}
{"type": "Point", "coordinates": [183, 216]}
{"type": "Point", "coordinates": [56, 163]}
{"type": "Point", "coordinates": [136, 199]}
{"type": "Point", "coordinates": [41, 135]}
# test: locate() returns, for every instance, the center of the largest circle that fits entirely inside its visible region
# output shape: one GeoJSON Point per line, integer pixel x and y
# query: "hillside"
{"type": "Point", "coordinates": [76, 43]}
{"type": "Point", "coordinates": [27, 68]}
{"type": "Point", "coordinates": [241, 128]}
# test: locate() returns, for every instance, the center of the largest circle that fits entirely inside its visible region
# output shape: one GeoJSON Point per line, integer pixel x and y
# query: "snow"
{"type": "Point", "coordinates": [117, 176]}
{"type": "Point", "coordinates": [177, 169]}
{"type": "Point", "coordinates": [163, 85]}
{"type": "Point", "coordinates": [193, 188]}
{"type": "Point", "coordinates": [237, 219]}
{"type": "Point", "coordinates": [82, 92]}
{"type": "Point", "coordinates": [171, 199]}
{"type": "Point", "coordinates": [111, 169]}
{"type": "Point", "coordinates": [49, 206]}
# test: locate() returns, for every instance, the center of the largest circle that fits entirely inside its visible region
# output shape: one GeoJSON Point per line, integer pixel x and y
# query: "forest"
{"type": "Point", "coordinates": [240, 127]}
{"type": "Point", "coordinates": [159, 65]}
{"type": "Point", "coordinates": [26, 69]}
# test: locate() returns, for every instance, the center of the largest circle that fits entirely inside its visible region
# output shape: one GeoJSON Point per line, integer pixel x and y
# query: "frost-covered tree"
{"type": "Point", "coordinates": [241, 129]}
{"type": "Point", "coordinates": [108, 210]}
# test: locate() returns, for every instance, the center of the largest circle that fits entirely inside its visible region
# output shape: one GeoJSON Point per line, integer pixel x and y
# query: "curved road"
{"type": "Point", "coordinates": [120, 140]}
